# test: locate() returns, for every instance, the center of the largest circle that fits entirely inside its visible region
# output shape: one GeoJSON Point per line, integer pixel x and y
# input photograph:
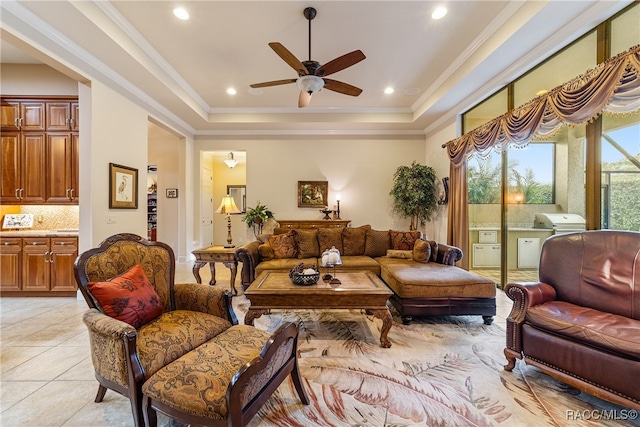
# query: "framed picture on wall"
{"type": "Point", "coordinates": [123, 187]}
{"type": "Point", "coordinates": [172, 193]}
{"type": "Point", "coordinates": [312, 194]}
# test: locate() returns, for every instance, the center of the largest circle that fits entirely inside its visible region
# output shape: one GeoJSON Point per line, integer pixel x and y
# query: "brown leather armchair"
{"type": "Point", "coordinates": [581, 322]}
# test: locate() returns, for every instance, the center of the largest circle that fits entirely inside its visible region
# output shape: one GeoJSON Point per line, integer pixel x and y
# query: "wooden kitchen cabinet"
{"type": "Point", "coordinates": [64, 251]}
{"type": "Point", "coordinates": [62, 173]}
{"type": "Point", "coordinates": [10, 264]}
{"type": "Point", "coordinates": [22, 115]}
{"type": "Point", "coordinates": [39, 167]}
{"type": "Point", "coordinates": [62, 116]}
{"type": "Point", "coordinates": [36, 272]}
{"type": "Point", "coordinates": [22, 178]}
{"type": "Point", "coordinates": [38, 266]}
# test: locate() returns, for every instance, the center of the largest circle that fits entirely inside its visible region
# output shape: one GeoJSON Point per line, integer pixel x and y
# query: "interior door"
{"type": "Point", "coordinates": [206, 207]}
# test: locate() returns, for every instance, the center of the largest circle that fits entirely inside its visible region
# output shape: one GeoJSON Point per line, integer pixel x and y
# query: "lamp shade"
{"type": "Point", "coordinates": [228, 206]}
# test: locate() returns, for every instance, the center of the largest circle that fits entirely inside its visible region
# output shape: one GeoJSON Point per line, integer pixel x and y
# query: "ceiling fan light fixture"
{"type": "Point", "coordinates": [310, 84]}
{"type": "Point", "coordinates": [230, 161]}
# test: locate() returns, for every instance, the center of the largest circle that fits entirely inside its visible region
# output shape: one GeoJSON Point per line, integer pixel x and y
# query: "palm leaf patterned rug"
{"type": "Point", "coordinates": [445, 371]}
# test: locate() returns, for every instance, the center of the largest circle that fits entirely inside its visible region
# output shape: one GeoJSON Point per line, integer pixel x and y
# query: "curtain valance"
{"type": "Point", "coordinates": [613, 86]}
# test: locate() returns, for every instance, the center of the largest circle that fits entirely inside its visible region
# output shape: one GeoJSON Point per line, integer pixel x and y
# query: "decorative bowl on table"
{"type": "Point", "coordinates": [304, 276]}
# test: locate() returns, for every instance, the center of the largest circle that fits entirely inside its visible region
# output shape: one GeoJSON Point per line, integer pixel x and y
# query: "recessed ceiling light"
{"type": "Point", "coordinates": [388, 90]}
{"type": "Point", "coordinates": [231, 91]}
{"type": "Point", "coordinates": [181, 13]}
{"type": "Point", "coordinates": [439, 12]}
{"type": "Point", "coordinates": [255, 91]}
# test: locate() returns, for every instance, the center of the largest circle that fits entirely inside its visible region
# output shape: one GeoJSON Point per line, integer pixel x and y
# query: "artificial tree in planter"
{"type": "Point", "coordinates": [256, 217]}
{"type": "Point", "coordinates": [414, 193]}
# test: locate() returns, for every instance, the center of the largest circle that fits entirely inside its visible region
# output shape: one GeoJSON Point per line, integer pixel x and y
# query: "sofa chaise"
{"type": "Point", "coordinates": [421, 273]}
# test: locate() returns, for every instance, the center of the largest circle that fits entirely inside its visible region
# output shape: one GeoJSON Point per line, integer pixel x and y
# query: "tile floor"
{"type": "Point", "coordinates": [46, 376]}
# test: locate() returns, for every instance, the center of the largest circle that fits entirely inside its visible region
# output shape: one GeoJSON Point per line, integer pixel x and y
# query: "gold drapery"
{"type": "Point", "coordinates": [613, 87]}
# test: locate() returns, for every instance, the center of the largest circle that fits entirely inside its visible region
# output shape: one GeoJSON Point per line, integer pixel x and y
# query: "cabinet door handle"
{"type": "Point", "coordinates": [51, 257]}
{"type": "Point", "coordinates": [72, 190]}
{"type": "Point", "coordinates": [46, 258]}
{"type": "Point", "coordinates": [17, 189]}
{"type": "Point", "coordinates": [71, 123]}
{"type": "Point", "coordinates": [21, 193]}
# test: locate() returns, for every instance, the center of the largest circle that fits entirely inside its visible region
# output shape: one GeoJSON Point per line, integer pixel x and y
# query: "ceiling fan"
{"type": "Point", "coordinates": [311, 75]}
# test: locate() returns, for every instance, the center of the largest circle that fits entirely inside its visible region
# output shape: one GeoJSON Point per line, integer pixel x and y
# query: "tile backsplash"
{"type": "Point", "coordinates": [53, 217]}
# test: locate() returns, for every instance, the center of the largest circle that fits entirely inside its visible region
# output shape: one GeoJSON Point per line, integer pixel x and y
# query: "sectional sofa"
{"type": "Point", "coordinates": [421, 273]}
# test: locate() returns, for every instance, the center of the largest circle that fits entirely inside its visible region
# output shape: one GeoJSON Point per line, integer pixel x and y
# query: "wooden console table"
{"type": "Point", "coordinates": [313, 223]}
{"type": "Point", "coordinates": [211, 255]}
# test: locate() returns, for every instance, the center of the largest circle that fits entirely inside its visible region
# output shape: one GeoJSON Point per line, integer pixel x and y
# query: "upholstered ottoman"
{"type": "Point", "coordinates": [226, 380]}
{"type": "Point", "coordinates": [435, 289]}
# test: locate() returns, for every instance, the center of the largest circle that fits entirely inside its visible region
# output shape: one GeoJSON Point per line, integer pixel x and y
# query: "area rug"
{"type": "Point", "coordinates": [445, 371]}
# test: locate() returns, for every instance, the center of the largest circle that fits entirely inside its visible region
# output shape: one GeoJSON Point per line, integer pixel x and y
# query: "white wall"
{"type": "Point", "coordinates": [361, 170]}
{"type": "Point", "coordinates": [117, 134]}
{"type": "Point", "coordinates": [32, 79]}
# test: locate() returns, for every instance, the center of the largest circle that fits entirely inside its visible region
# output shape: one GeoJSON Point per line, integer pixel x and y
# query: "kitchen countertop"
{"type": "Point", "coordinates": [526, 229]}
{"type": "Point", "coordinates": [67, 232]}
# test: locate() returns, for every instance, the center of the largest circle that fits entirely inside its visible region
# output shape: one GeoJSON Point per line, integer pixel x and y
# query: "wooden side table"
{"type": "Point", "coordinates": [211, 255]}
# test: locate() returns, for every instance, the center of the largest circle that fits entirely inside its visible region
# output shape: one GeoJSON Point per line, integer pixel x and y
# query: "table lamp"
{"type": "Point", "coordinates": [228, 206]}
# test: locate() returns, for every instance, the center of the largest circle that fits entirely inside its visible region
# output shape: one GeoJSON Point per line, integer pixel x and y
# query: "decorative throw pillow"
{"type": "Point", "coordinates": [328, 237]}
{"type": "Point", "coordinates": [353, 239]}
{"type": "Point", "coordinates": [434, 250]}
{"type": "Point", "coordinates": [129, 297]}
{"type": "Point", "coordinates": [284, 245]}
{"type": "Point", "coordinates": [396, 253]}
{"type": "Point", "coordinates": [404, 240]}
{"type": "Point", "coordinates": [266, 252]}
{"type": "Point", "coordinates": [377, 243]}
{"type": "Point", "coordinates": [421, 251]}
{"type": "Point", "coordinates": [307, 241]}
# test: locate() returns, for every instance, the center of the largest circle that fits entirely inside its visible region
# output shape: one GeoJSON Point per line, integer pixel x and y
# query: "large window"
{"type": "Point", "coordinates": [507, 190]}
{"type": "Point", "coordinates": [531, 172]}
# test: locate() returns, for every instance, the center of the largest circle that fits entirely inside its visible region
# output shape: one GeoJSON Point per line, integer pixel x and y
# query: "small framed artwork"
{"type": "Point", "coordinates": [123, 187]}
{"type": "Point", "coordinates": [312, 194]}
{"type": "Point", "coordinates": [172, 193]}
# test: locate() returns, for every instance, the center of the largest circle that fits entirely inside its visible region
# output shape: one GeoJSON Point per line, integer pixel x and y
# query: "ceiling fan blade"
{"type": "Point", "coordinates": [303, 99]}
{"type": "Point", "coordinates": [273, 83]}
{"type": "Point", "coordinates": [340, 63]}
{"type": "Point", "coordinates": [289, 58]}
{"type": "Point", "coordinates": [342, 87]}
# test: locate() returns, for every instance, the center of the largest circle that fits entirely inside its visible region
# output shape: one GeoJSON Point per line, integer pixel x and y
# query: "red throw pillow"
{"type": "Point", "coordinates": [129, 297]}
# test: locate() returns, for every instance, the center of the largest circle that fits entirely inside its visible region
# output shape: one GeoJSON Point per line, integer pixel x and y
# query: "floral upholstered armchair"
{"type": "Point", "coordinates": [138, 319]}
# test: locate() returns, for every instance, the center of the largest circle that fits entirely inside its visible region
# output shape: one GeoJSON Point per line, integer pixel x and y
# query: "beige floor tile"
{"type": "Point", "coordinates": [82, 371]}
{"type": "Point", "coordinates": [51, 405]}
{"type": "Point", "coordinates": [13, 392]}
{"type": "Point", "coordinates": [15, 356]}
{"type": "Point", "coordinates": [45, 366]}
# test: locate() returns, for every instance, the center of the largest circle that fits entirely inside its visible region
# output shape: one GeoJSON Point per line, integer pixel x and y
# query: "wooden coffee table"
{"type": "Point", "coordinates": [359, 289]}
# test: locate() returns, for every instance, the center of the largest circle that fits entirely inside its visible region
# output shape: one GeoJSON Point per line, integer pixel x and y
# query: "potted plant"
{"type": "Point", "coordinates": [414, 193]}
{"type": "Point", "coordinates": [256, 217]}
